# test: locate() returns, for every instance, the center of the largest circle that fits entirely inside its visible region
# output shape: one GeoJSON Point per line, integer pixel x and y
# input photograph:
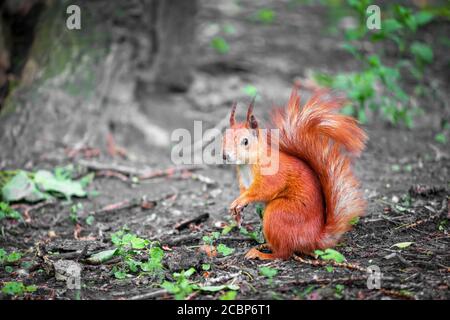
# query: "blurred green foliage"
{"type": "Point", "coordinates": [379, 86]}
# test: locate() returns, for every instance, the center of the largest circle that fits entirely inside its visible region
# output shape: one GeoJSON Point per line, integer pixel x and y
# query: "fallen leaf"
{"type": "Point", "coordinates": [21, 187]}
{"type": "Point", "coordinates": [402, 245]}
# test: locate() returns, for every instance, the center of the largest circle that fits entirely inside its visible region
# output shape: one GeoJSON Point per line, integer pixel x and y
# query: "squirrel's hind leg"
{"type": "Point", "coordinates": [255, 253]}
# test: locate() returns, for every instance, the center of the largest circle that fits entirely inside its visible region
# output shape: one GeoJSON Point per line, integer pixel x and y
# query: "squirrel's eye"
{"type": "Point", "coordinates": [245, 141]}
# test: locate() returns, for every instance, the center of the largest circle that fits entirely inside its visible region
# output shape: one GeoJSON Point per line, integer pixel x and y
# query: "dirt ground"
{"type": "Point", "coordinates": [405, 176]}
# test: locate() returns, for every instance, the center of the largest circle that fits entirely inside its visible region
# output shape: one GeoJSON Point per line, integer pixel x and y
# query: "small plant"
{"type": "Point", "coordinates": [6, 212]}
{"type": "Point", "coordinates": [210, 248]}
{"type": "Point", "coordinates": [43, 184]}
{"type": "Point", "coordinates": [133, 250]}
{"type": "Point", "coordinates": [377, 86]}
{"type": "Point", "coordinates": [210, 239]}
{"type": "Point", "coordinates": [339, 289]}
{"type": "Point", "coordinates": [74, 211]}
{"type": "Point", "coordinates": [182, 287]}
{"type": "Point", "coordinates": [255, 235]}
{"type": "Point", "coordinates": [14, 288]}
{"type": "Point", "coordinates": [10, 258]}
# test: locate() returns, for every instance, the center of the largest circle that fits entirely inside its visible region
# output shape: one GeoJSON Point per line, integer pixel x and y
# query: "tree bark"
{"type": "Point", "coordinates": [172, 25]}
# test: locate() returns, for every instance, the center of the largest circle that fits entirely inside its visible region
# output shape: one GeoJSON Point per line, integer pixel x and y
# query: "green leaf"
{"type": "Point", "coordinates": [212, 288]}
{"type": "Point", "coordinates": [2, 255]}
{"type": "Point", "coordinates": [227, 229]}
{"type": "Point", "coordinates": [423, 17]}
{"type": "Point", "coordinates": [170, 286]}
{"type": "Point", "coordinates": [31, 288]}
{"type": "Point", "coordinates": [259, 210]}
{"type": "Point", "coordinates": [422, 52]}
{"type": "Point", "coordinates": [403, 245]}
{"type": "Point", "coordinates": [220, 45]}
{"type": "Point", "coordinates": [120, 274]}
{"type": "Point", "coordinates": [87, 179]}
{"type": "Point", "coordinates": [90, 220]}
{"type": "Point", "coordinates": [441, 138]}
{"type": "Point", "coordinates": [229, 29]}
{"type": "Point", "coordinates": [330, 254]}
{"type": "Point", "coordinates": [21, 187]}
{"type": "Point", "coordinates": [218, 288]}
{"type": "Point", "coordinates": [268, 272]}
{"type": "Point", "coordinates": [223, 249]}
{"type": "Point", "coordinates": [13, 288]}
{"type": "Point", "coordinates": [7, 212]}
{"type": "Point", "coordinates": [265, 16]}
{"type": "Point", "coordinates": [354, 221]}
{"type": "Point", "coordinates": [229, 295]}
{"type": "Point", "coordinates": [351, 49]}
{"type": "Point", "coordinates": [102, 256]}
{"type": "Point", "coordinates": [250, 90]}
{"type": "Point", "coordinates": [362, 118]}
{"type": "Point", "coordinates": [189, 272]}
{"type": "Point", "coordinates": [46, 181]}
{"type": "Point", "coordinates": [156, 253]}
{"type": "Point", "coordinates": [138, 243]}
{"type": "Point", "coordinates": [390, 25]}
{"type": "Point", "coordinates": [206, 266]}
{"type": "Point", "coordinates": [13, 257]}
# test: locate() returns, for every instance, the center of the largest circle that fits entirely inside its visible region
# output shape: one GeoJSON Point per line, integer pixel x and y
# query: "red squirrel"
{"type": "Point", "coordinates": [313, 196]}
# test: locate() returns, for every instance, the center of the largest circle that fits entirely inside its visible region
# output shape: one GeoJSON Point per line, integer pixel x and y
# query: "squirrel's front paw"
{"type": "Point", "coordinates": [236, 209]}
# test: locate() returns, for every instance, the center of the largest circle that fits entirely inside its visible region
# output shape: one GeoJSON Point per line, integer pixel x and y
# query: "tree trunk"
{"type": "Point", "coordinates": [172, 32]}
{"type": "Point", "coordinates": [77, 84]}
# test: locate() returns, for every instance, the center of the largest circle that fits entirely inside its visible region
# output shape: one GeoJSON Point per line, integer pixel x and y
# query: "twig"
{"type": "Point", "coordinates": [110, 173]}
{"type": "Point", "coordinates": [184, 224]}
{"type": "Point", "coordinates": [99, 166]}
{"type": "Point", "coordinates": [173, 242]}
{"type": "Point", "coordinates": [149, 295]}
{"type": "Point", "coordinates": [350, 279]}
{"type": "Point", "coordinates": [417, 223]}
{"type": "Point", "coordinates": [169, 172]}
{"type": "Point", "coordinates": [223, 278]}
{"type": "Point", "coordinates": [142, 174]}
{"type": "Point", "coordinates": [28, 209]}
{"type": "Point", "coordinates": [397, 294]}
{"type": "Point", "coordinates": [128, 204]}
{"type": "Point", "coordinates": [323, 263]}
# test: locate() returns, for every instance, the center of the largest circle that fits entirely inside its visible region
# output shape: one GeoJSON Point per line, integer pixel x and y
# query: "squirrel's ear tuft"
{"type": "Point", "coordinates": [233, 111]}
{"type": "Point", "coordinates": [250, 109]}
{"type": "Point", "coordinates": [252, 122]}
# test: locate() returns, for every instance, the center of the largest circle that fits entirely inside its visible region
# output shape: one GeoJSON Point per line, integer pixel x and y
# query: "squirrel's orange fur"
{"type": "Point", "coordinates": [313, 196]}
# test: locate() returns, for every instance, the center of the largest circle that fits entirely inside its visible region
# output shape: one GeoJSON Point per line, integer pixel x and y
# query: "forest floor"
{"type": "Point", "coordinates": [404, 173]}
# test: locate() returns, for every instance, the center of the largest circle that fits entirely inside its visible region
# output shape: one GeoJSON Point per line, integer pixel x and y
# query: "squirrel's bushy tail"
{"type": "Point", "coordinates": [327, 141]}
